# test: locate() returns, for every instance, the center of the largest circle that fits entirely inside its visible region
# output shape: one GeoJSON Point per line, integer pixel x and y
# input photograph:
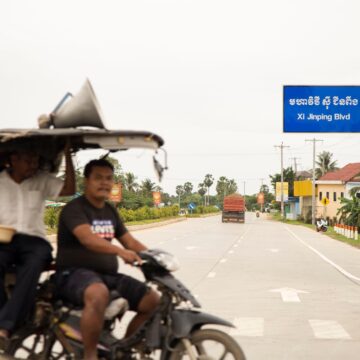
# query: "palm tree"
{"type": "Point", "coordinates": [202, 190]}
{"type": "Point", "coordinates": [325, 164]}
{"type": "Point", "coordinates": [179, 191]}
{"type": "Point", "coordinates": [208, 181]}
{"type": "Point", "coordinates": [147, 187]}
{"type": "Point", "coordinates": [130, 182]}
{"type": "Point", "coordinates": [188, 187]}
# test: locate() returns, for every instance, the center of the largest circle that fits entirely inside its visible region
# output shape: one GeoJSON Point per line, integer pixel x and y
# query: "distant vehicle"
{"type": "Point", "coordinates": [182, 212]}
{"type": "Point", "coordinates": [233, 208]}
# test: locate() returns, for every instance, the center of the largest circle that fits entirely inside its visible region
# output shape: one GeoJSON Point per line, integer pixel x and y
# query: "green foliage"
{"type": "Point", "coordinates": [51, 217]}
{"type": "Point", "coordinates": [148, 213]}
{"type": "Point", "coordinates": [350, 211]}
{"type": "Point", "coordinates": [325, 164]}
{"type": "Point", "coordinates": [205, 209]}
{"type": "Point", "coordinates": [289, 176]}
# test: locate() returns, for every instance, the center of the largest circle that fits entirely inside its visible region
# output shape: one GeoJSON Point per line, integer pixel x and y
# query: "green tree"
{"type": "Point", "coordinates": [188, 188]}
{"type": "Point", "coordinates": [202, 191]}
{"type": "Point", "coordinates": [130, 182]}
{"type": "Point", "coordinates": [147, 187]}
{"type": "Point", "coordinates": [208, 181]}
{"type": "Point", "coordinates": [224, 187]}
{"type": "Point", "coordinates": [324, 164]}
{"type": "Point", "coordinates": [350, 209]}
{"type": "Point", "coordinates": [180, 192]}
{"type": "Point", "coordinates": [289, 176]}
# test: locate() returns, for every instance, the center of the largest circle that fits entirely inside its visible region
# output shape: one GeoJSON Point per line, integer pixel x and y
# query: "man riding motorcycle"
{"type": "Point", "coordinates": [87, 261]}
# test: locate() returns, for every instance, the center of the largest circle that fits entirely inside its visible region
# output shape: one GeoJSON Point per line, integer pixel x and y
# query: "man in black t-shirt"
{"type": "Point", "coordinates": [87, 261]}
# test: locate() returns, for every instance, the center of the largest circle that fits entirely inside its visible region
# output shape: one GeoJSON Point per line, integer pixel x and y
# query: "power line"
{"type": "Point", "coordinates": [282, 146]}
{"type": "Point", "coordinates": [313, 180]}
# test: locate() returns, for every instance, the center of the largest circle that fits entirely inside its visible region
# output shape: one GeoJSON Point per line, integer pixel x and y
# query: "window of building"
{"type": "Point", "coordinates": [327, 195]}
{"type": "Point", "coordinates": [334, 196]}
{"type": "Point", "coordinates": [320, 195]}
{"type": "Point", "coordinates": [342, 194]}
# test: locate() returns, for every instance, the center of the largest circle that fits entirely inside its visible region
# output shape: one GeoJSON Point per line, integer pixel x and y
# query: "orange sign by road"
{"type": "Point", "coordinates": [115, 195]}
{"type": "Point", "coordinates": [156, 197]}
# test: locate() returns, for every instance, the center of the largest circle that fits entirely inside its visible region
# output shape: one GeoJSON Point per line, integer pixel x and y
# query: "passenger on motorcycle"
{"type": "Point", "coordinates": [23, 190]}
{"type": "Point", "coordinates": [87, 265]}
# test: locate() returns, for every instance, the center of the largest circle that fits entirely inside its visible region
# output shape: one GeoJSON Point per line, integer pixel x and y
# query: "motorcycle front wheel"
{"type": "Point", "coordinates": [209, 344]}
{"type": "Point", "coordinates": [30, 344]}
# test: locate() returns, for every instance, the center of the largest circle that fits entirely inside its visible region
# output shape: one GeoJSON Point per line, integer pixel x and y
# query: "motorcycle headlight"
{"type": "Point", "coordinates": [168, 261]}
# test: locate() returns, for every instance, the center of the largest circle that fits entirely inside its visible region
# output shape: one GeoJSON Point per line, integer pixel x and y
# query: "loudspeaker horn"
{"type": "Point", "coordinates": [82, 109]}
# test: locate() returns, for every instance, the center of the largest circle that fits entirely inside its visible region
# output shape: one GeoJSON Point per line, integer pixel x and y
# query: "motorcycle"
{"type": "Point", "coordinates": [321, 225]}
{"type": "Point", "coordinates": [178, 329]}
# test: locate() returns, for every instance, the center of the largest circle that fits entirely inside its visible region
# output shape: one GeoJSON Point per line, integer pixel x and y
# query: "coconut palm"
{"type": "Point", "coordinates": [202, 190]}
{"type": "Point", "coordinates": [147, 187]}
{"type": "Point", "coordinates": [325, 164]}
{"type": "Point", "coordinates": [130, 182]}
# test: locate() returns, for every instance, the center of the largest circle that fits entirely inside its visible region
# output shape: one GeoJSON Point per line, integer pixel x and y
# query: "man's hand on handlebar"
{"type": "Point", "coordinates": [130, 257]}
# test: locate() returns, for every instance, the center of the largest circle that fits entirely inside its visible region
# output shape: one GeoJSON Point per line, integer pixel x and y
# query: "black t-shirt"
{"type": "Point", "coordinates": [104, 222]}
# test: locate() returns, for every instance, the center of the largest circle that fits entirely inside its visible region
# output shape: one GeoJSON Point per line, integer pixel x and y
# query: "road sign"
{"type": "Point", "coordinates": [321, 108]}
{"type": "Point", "coordinates": [116, 193]}
{"type": "Point", "coordinates": [325, 201]}
{"type": "Point", "coordinates": [191, 206]}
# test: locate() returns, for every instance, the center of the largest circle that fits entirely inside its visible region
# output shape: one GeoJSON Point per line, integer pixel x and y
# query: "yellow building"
{"type": "Point", "coordinates": [333, 186]}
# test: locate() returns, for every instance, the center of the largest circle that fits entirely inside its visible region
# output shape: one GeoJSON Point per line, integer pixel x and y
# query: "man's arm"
{"type": "Point", "coordinates": [129, 242]}
{"type": "Point", "coordinates": [69, 181]}
{"type": "Point", "coordinates": [95, 243]}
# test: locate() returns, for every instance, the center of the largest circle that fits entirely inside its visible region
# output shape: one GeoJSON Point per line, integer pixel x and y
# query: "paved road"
{"type": "Point", "coordinates": [293, 293]}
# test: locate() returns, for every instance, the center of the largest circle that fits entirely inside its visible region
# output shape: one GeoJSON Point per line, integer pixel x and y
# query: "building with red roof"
{"type": "Point", "coordinates": [333, 186]}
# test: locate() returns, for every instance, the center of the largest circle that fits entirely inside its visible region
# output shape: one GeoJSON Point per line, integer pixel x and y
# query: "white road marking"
{"type": "Point", "coordinates": [274, 250]}
{"type": "Point", "coordinates": [328, 329]}
{"type": "Point", "coordinates": [231, 252]}
{"type": "Point", "coordinates": [191, 247]}
{"type": "Point", "coordinates": [337, 267]}
{"type": "Point", "coordinates": [248, 326]}
{"type": "Point", "coordinates": [289, 295]}
{"type": "Point", "coordinates": [236, 245]}
{"type": "Point", "coordinates": [211, 274]}
{"type": "Point", "coordinates": [223, 260]}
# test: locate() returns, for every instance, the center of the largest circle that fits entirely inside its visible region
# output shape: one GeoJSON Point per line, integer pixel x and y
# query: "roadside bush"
{"type": "Point", "coordinates": [51, 217]}
{"type": "Point", "coordinates": [148, 213]}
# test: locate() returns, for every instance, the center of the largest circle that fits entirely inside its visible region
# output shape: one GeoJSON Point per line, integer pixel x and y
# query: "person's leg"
{"type": "Point", "coordinates": [32, 256]}
{"type": "Point", "coordinates": [140, 298]}
{"type": "Point", "coordinates": [145, 309]}
{"type": "Point", "coordinates": [7, 254]}
{"type": "Point", "coordinates": [96, 298]}
{"type": "Point", "coordinates": [85, 287]}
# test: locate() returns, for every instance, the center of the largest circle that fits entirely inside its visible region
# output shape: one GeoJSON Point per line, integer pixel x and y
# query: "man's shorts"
{"type": "Point", "coordinates": [73, 283]}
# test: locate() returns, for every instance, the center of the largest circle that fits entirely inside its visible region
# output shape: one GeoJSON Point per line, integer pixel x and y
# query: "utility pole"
{"type": "Point", "coordinates": [313, 204]}
{"type": "Point", "coordinates": [282, 146]}
{"type": "Point", "coordinates": [295, 164]}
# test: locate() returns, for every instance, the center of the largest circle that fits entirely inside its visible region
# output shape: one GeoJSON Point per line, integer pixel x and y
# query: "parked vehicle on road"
{"type": "Point", "coordinates": [321, 225]}
{"type": "Point", "coordinates": [233, 208]}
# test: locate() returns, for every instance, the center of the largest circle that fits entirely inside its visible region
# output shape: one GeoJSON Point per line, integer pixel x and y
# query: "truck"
{"type": "Point", "coordinates": [233, 208]}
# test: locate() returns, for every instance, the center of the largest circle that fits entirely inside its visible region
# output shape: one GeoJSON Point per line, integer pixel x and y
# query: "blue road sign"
{"type": "Point", "coordinates": [321, 108]}
{"type": "Point", "coordinates": [191, 206]}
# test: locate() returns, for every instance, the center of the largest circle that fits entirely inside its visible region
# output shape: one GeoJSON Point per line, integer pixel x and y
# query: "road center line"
{"type": "Point", "coordinates": [337, 267]}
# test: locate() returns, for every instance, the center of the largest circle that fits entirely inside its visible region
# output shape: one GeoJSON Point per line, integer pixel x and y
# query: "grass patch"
{"type": "Point", "coordinates": [330, 232]}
